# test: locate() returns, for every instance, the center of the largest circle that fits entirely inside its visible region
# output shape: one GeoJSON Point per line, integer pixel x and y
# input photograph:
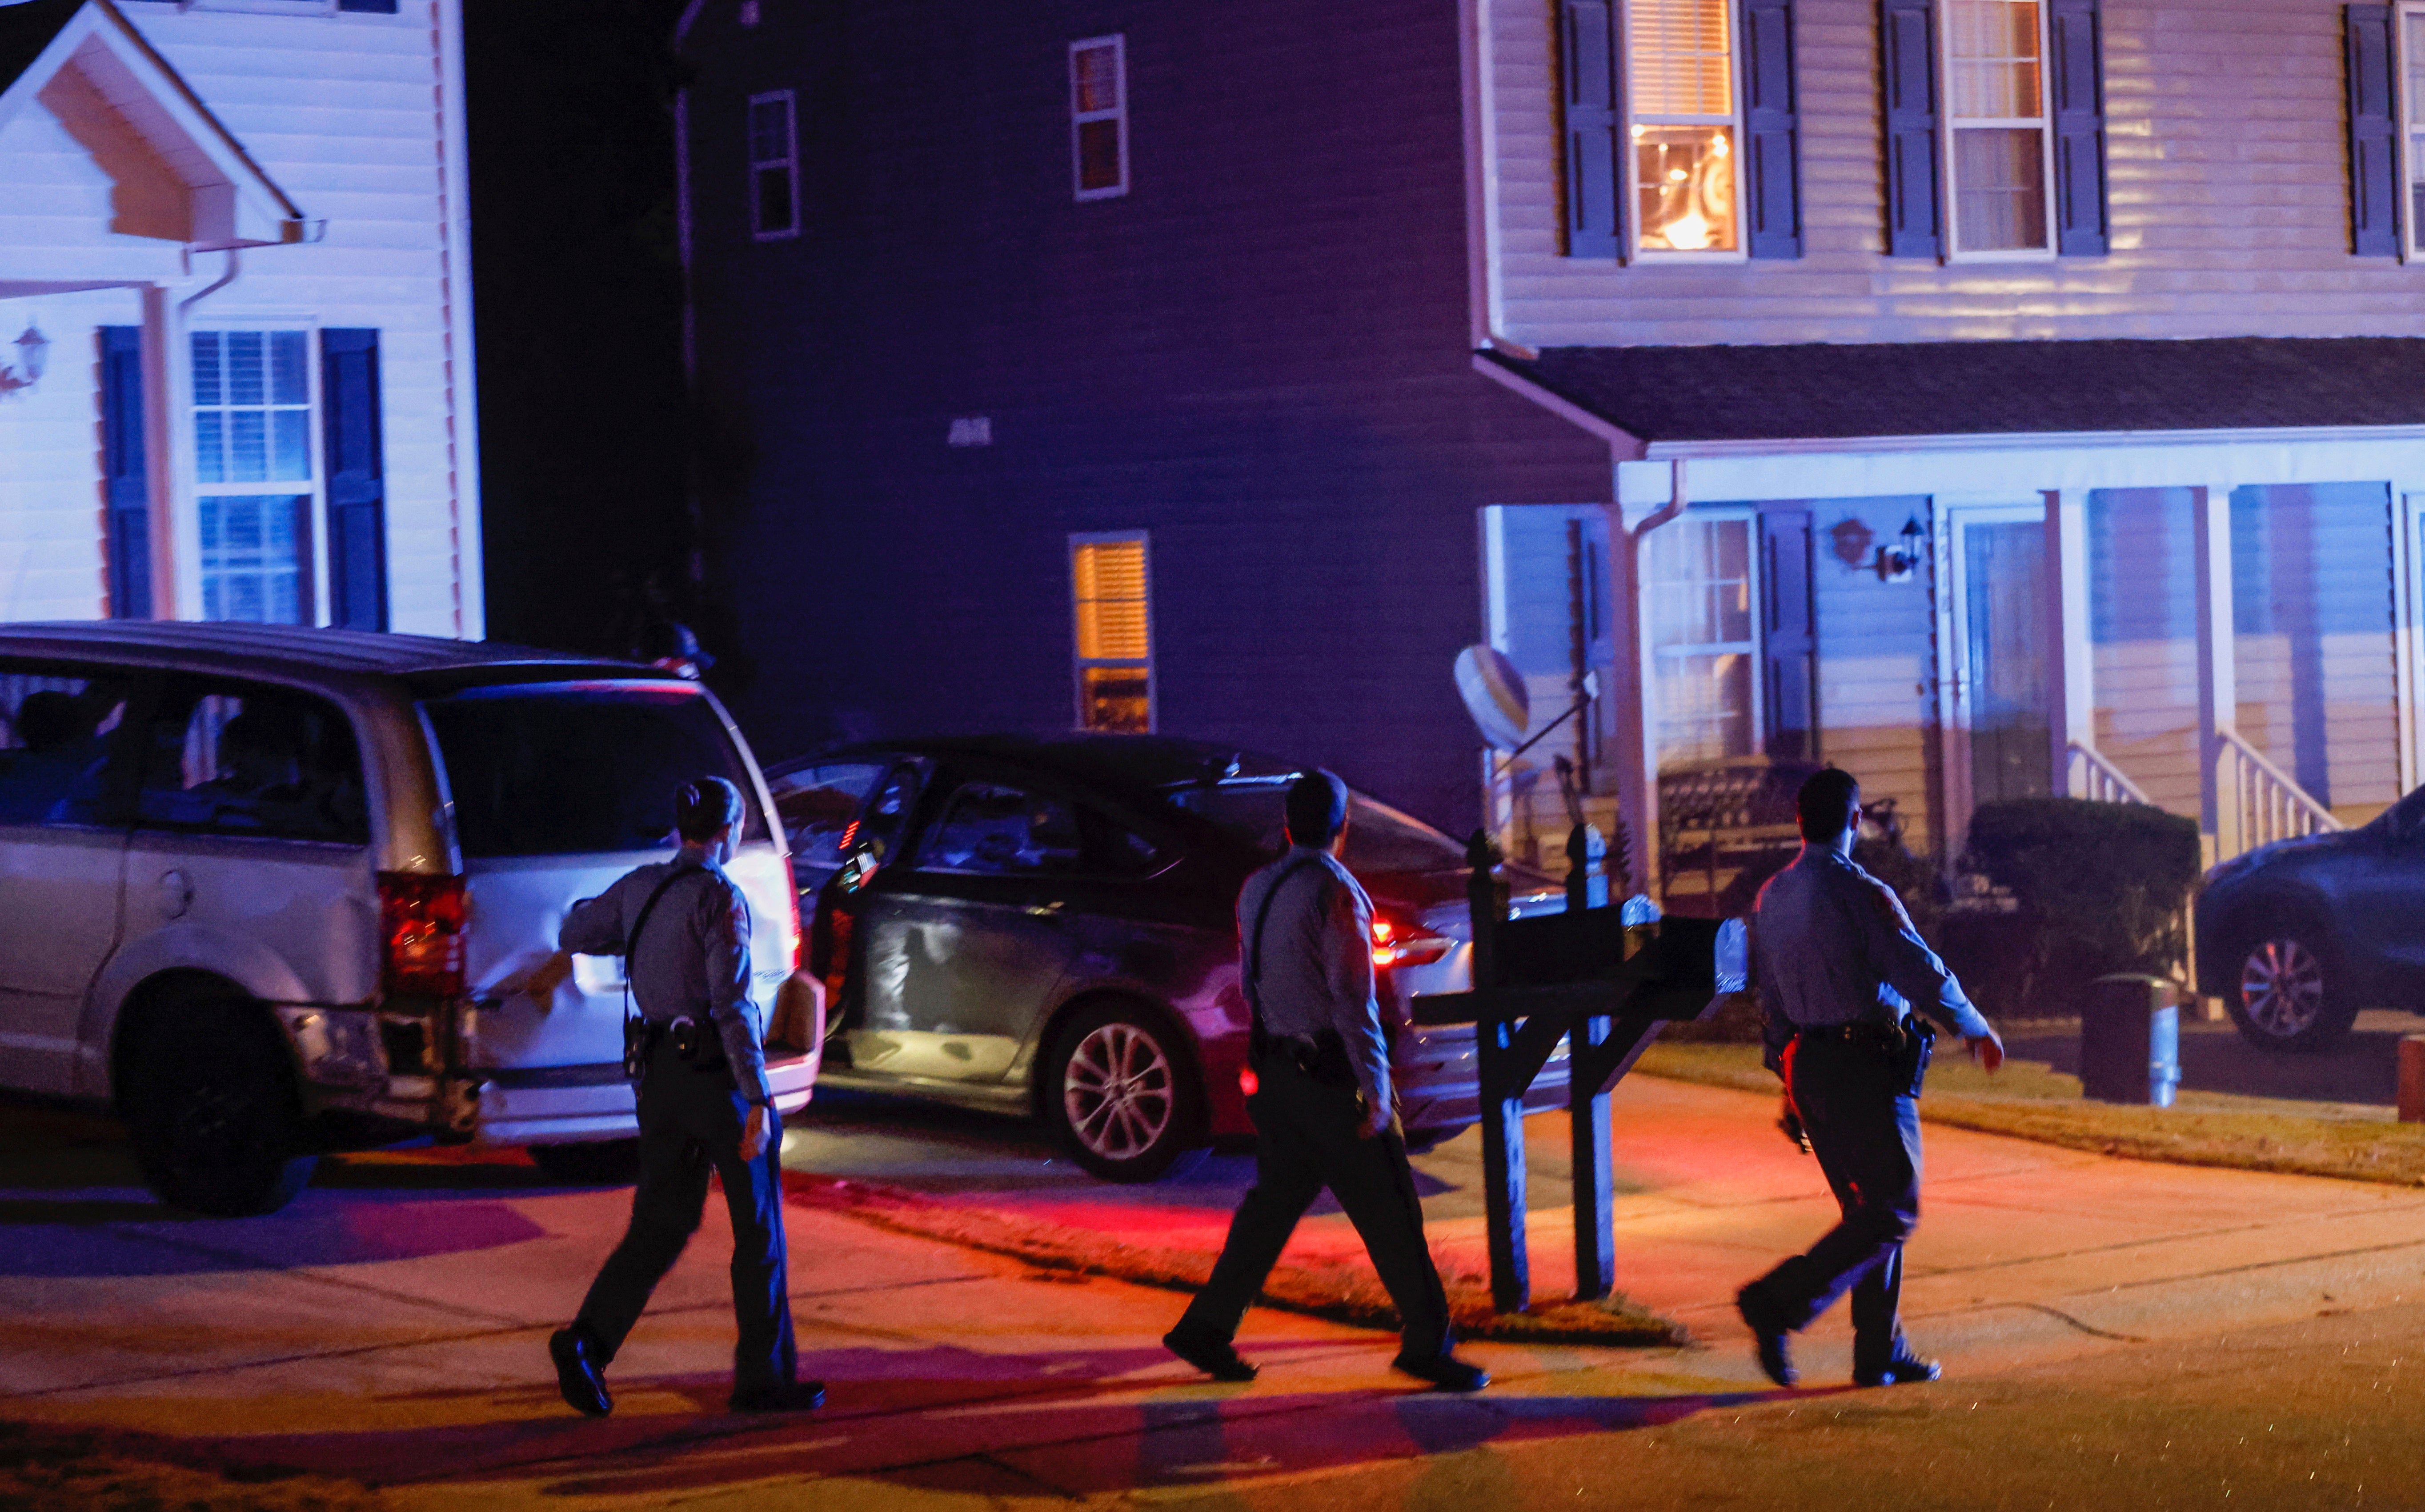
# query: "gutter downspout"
{"type": "Point", "coordinates": [176, 529]}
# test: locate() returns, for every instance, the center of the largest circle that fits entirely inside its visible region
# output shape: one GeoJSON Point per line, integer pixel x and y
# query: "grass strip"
{"type": "Point", "coordinates": [2029, 1100]}
{"type": "Point", "coordinates": [1348, 1294]}
{"type": "Point", "coordinates": [45, 1469]}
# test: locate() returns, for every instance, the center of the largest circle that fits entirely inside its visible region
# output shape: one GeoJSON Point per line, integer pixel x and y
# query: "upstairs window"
{"type": "Point", "coordinates": [1111, 585]}
{"type": "Point", "coordinates": [773, 167]}
{"type": "Point", "coordinates": [1995, 60]}
{"type": "Point", "coordinates": [1680, 132]}
{"type": "Point", "coordinates": [1995, 121]}
{"type": "Point", "coordinates": [1099, 116]}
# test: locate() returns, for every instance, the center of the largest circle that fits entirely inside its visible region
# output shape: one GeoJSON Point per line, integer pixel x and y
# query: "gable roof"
{"type": "Point", "coordinates": [1761, 393]}
{"type": "Point", "coordinates": [235, 202]}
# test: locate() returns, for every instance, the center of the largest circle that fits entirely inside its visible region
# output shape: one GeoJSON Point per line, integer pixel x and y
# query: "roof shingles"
{"type": "Point", "coordinates": [1756, 393]}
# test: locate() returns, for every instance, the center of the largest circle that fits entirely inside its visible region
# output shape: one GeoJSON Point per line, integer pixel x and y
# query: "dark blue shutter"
{"type": "Point", "coordinates": [349, 389]}
{"type": "Point", "coordinates": [1790, 636]}
{"type": "Point", "coordinates": [2375, 132]}
{"type": "Point", "coordinates": [124, 478]}
{"type": "Point", "coordinates": [2079, 199]}
{"type": "Point", "coordinates": [1774, 127]}
{"type": "Point", "coordinates": [1907, 33]}
{"type": "Point", "coordinates": [377, 7]}
{"type": "Point", "coordinates": [1595, 129]}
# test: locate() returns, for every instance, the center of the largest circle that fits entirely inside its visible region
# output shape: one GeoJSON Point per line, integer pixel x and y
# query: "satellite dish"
{"type": "Point", "coordinates": [1494, 695]}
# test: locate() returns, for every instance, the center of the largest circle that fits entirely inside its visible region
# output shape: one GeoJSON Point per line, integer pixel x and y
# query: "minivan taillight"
{"type": "Point", "coordinates": [799, 936]}
{"type": "Point", "coordinates": [421, 934]}
{"type": "Point", "coordinates": [1397, 942]}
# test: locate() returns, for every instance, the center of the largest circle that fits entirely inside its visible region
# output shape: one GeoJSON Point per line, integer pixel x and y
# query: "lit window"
{"type": "Point", "coordinates": [1703, 635]}
{"type": "Point", "coordinates": [253, 474]}
{"type": "Point", "coordinates": [773, 167]}
{"type": "Point", "coordinates": [1099, 116]}
{"type": "Point", "coordinates": [1685, 124]}
{"type": "Point", "coordinates": [1995, 54]}
{"type": "Point", "coordinates": [1110, 581]}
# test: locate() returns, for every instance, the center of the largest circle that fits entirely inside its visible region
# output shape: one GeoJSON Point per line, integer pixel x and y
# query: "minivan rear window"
{"type": "Point", "coordinates": [580, 770]}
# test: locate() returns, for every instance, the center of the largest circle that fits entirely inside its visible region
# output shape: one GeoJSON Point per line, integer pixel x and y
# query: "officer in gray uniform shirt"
{"type": "Point", "coordinates": [1322, 1105]}
{"type": "Point", "coordinates": [1841, 972]}
{"type": "Point", "coordinates": [683, 929]}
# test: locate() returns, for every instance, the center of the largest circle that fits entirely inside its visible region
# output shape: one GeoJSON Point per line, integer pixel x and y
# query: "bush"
{"type": "Point", "coordinates": [2099, 888]}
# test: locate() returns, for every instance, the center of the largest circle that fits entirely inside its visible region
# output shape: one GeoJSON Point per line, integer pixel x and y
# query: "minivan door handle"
{"type": "Point", "coordinates": [176, 893]}
{"type": "Point", "coordinates": [1043, 910]}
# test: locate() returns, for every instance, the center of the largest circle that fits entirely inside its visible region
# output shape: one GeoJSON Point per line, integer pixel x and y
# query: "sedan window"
{"type": "Point", "coordinates": [1005, 831]}
{"type": "Point", "coordinates": [817, 805]}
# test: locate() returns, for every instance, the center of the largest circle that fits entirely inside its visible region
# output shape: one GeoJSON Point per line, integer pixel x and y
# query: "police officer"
{"type": "Point", "coordinates": [1841, 972]}
{"type": "Point", "coordinates": [683, 929]}
{"type": "Point", "coordinates": [1323, 1111]}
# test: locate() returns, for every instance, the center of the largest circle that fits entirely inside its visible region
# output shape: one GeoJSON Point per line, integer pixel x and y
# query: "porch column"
{"type": "Point", "coordinates": [2408, 582]}
{"type": "Point", "coordinates": [2218, 670]}
{"type": "Point", "coordinates": [2072, 713]}
{"type": "Point", "coordinates": [1635, 748]}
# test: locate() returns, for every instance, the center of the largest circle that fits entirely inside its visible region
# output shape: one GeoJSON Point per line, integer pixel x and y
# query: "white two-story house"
{"type": "Point", "coordinates": [235, 377]}
{"type": "Point", "coordinates": [2006, 397]}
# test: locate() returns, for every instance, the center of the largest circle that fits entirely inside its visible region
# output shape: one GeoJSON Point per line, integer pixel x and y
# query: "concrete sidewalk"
{"type": "Point", "coordinates": [391, 1326]}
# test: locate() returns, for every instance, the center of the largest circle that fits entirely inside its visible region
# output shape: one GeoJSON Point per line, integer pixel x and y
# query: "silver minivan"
{"type": "Point", "coordinates": [274, 891]}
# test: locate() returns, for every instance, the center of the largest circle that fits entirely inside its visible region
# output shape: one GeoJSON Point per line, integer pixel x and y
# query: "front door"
{"type": "Point", "coordinates": [1999, 674]}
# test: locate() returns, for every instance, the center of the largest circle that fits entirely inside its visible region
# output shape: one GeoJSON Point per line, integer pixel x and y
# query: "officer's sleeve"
{"type": "Point", "coordinates": [723, 922]}
{"type": "Point", "coordinates": [1347, 961]}
{"type": "Point", "coordinates": [1903, 962]}
{"type": "Point", "coordinates": [1775, 1029]}
{"type": "Point", "coordinates": [594, 926]}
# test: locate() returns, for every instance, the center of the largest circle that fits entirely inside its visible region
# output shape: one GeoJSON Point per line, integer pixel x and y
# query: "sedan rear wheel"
{"type": "Point", "coordinates": [1124, 1096]}
{"type": "Point", "coordinates": [2291, 996]}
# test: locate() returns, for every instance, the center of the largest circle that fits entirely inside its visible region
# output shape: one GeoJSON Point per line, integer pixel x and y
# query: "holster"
{"type": "Point", "coordinates": [1324, 1060]}
{"type": "Point", "coordinates": [1911, 1061]}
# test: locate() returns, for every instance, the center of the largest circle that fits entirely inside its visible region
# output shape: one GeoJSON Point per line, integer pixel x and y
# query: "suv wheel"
{"type": "Point", "coordinates": [215, 1114]}
{"type": "Point", "coordinates": [598, 1163]}
{"type": "Point", "coordinates": [2291, 994]}
{"type": "Point", "coordinates": [1121, 1092]}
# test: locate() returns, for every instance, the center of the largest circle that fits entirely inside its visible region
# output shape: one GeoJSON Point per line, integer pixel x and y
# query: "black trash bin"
{"type": "Point", "coordinates": [2130, 1041]}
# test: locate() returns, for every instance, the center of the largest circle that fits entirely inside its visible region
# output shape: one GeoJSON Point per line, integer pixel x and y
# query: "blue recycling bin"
{"type": "Point", "coordinates": [2130, 1041]}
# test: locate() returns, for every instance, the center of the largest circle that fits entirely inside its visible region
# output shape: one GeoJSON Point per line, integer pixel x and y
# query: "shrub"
{"type": "Point", "coordinates": [2100, 887]}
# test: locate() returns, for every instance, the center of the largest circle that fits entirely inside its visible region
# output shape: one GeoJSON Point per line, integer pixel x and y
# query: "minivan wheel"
{"type": "Point", "coordinates": [598, 1163]}
{"type": "Point", "coordinates": [2290, 995]}
{"type": "Point", "coordinates": [1122, 1093]}
{"type": "Point", "coordinates": [216, 1117]}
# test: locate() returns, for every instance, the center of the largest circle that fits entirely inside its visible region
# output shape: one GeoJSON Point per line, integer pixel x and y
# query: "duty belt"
{"type": "Point", "coordinates": [1875, 1036]}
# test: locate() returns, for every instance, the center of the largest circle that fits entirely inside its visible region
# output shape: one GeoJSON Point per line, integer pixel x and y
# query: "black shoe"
{"type": "Point", "coordinates": [791, 1396]}
{"type": "Point", "coordinates": [577, 1375]}
{"type": "Point", "coordinates": [1210, 1353]}
{"type": "Point", "coordinates": [1903, 1370]}
{"type": "Point", "coordinates": [1445, 1372]}
{"type": "Point", "coordinates": [1768, 1336]}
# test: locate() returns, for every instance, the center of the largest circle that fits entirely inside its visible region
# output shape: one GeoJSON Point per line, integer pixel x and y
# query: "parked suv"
{"type": "Point", "coordinates": [1046, 928]}
{"type": "Point", "coordinates": [274, 891]}
{"type": "Point", "coordinates": [2297, 936]}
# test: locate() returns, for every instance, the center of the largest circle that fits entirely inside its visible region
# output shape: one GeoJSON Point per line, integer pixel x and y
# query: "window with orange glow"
{"type": "Point", "coordinates": [1686, 125]}
{"type": "Point", "coordinates": [1111, 582]}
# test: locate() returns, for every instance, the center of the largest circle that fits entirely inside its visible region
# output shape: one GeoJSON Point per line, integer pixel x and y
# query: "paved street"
{"type": "Point", "coordinates": [389, 1326]}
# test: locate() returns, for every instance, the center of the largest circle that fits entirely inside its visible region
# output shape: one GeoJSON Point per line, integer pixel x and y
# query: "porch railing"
{"type": "Point", "coordinates": [2258, 801]}
{"type": "Point", "coordinates": [2088, 774]}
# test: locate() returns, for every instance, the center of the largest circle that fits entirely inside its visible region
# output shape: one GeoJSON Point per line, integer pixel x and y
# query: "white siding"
{"type": "Point", "coordinates": [1876, 664]}
{"type": "Point", "coordinates": [349, 115]}
{"type": "Point", "coordinates": [51, 503]}
{"type": "Point", "coordinates": [2229, 191]}
{"type": "Point", "coordinates": [2142, 631]}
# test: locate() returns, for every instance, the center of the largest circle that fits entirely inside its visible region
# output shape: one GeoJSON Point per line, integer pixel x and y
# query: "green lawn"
{"type": "Point", "coordinates": [2029, 1100]}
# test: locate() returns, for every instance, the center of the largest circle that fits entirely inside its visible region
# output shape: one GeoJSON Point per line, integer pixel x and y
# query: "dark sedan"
{"type": "Point", "coordinates": [2297, 936]}
{"type": "Point", "coordinates": [1045, 927]}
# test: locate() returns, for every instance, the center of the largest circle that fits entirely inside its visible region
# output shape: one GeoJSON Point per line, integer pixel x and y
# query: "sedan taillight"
{"type": "Point", "coordinates": [1398, 942]}
{"type": "Point", "coordinates": [421, 934]}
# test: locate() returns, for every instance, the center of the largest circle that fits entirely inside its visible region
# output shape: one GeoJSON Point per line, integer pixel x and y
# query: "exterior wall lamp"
{"type": "Point", "coordinates": [1896, 563]}
{"type": "Point", "coordinates": [33, 354]}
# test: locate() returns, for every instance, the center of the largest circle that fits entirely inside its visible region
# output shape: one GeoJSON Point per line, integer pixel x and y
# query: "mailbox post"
{"type": "Point", "coordinates": [1603, 979]}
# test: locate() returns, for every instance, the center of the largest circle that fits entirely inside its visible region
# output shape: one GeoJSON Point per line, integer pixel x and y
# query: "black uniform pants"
{"type": "Point", "coordinates": [1864, 1126]}
{"type": "Point", "coordinates": [690, 1123]}
{"type": "Point", "coordinates": [1307, 1137]}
